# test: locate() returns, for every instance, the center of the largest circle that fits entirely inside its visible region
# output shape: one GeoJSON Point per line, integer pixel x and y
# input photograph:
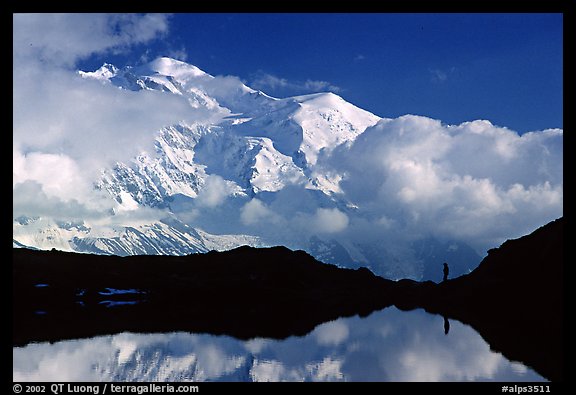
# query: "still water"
{"type": "Point", "coordinates": [388, 345]}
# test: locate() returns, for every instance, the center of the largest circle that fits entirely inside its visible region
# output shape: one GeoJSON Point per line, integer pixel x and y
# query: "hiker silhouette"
{"type": "Point", "coordinates": [446, 325]}
{"type": "Point", "coordinates": [446, 270]}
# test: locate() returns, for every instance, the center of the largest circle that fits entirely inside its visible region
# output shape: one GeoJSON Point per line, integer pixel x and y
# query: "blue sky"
{"type": "Point", "coordinates": [506, 68]}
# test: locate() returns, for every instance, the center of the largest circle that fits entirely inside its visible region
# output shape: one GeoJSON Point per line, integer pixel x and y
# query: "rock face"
{"type": "Point", "coordinates": [514, 299]}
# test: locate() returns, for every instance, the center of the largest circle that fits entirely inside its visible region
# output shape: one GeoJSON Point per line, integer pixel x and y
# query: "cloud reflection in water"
{"type": "Point", "coordinates": [389, 345]}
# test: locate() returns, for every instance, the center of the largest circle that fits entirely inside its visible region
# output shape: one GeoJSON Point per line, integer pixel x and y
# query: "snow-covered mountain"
{"type": "Point", "coordinates": [213, 182]}
{"type": "Point", "coordinates": [258, 142]}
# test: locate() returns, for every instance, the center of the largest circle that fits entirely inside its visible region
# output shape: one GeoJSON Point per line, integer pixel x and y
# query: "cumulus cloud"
{"type": "Point", "coordinates": [29, 199]}
{"type": "Point", "coordinates": [213, 193]}
{"type": "Point", "coordinates": [58, 173]}
{"type": "Point", "coordinates": [475, 181]}
{"type": "Point", "coordinates": [275, 84]}
{"type": "Point", "coordinates": [412, 178]}
{"type": "Point", "coordinates": [290, 216]}
{"type": "Point", "coordinates": [62, 39]}
{"type": "Point", "coordinates": [332, 333]}
{"type": "Point", "coordinates": [329, 220]}
{"type": "Point", "coordinates": [256, 212]}
{"type": "Point", "coordinates": [54, 185]}
{"type": "Point", "coordinates": [66, 128]}
{"type": "Point", "coordinates": [62, 112]}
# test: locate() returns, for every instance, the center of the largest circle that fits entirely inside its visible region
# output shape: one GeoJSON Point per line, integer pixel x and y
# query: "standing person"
{"type": "Point", "coordinates": [446, 270]}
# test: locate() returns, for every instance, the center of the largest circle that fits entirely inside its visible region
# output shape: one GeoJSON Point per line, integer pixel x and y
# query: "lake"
{"type": "Point", "coordinates": [388, 345]}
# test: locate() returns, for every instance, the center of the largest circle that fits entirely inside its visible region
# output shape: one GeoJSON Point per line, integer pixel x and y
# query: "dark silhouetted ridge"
{"type": "Point", "coordinates": [246, 292]}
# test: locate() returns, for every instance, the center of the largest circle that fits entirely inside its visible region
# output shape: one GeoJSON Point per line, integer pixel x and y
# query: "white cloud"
{"type": "Point", "coordinates": [329, 220]}
{"type": "Point", "coordinates": [257, 345]}
{"type": "Point", "coordinates": [414, 177]}
{"type": "Point", "coordinates": [321, 86]}
{"type": "Point", "coordinates": [441, 76]}
{"type": "Point", "coordinates": [332, 333]}
{"type": "Point", "coordinates": [58, 173]}
{"type": "Point", "coordinates": [255, 212]}
{"type": "Point", "coordinates": [213, 193]}
{"type": "Point", "coordinates": [67, 128]}
{"type": "Point", "coordinates": [62, 39]}
{"type": "Point", "coordinates": [29, 199]}
{"type": "Point", "coordinates": [266, 81]}
{"type": "Point", "coordinates": [475, 181]}
{"type": "Point", "coordinates": [54, 185]}
{"type": "Point", "coordinates": [60, 112]}
{"type": "Point", "coordinates": [178, 54]}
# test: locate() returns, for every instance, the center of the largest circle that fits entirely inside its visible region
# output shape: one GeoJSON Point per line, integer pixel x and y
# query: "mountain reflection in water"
{"type": "Point", "coordinates": [388, 345]}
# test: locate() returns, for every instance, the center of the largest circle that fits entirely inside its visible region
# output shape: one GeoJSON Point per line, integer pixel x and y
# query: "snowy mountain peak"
{"type": "Point", "coordinates": [327, 121]}
{"type": "Point", "coordinates": [329, 98]}
{"type": "Point", "coordinates": [175, 68]}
